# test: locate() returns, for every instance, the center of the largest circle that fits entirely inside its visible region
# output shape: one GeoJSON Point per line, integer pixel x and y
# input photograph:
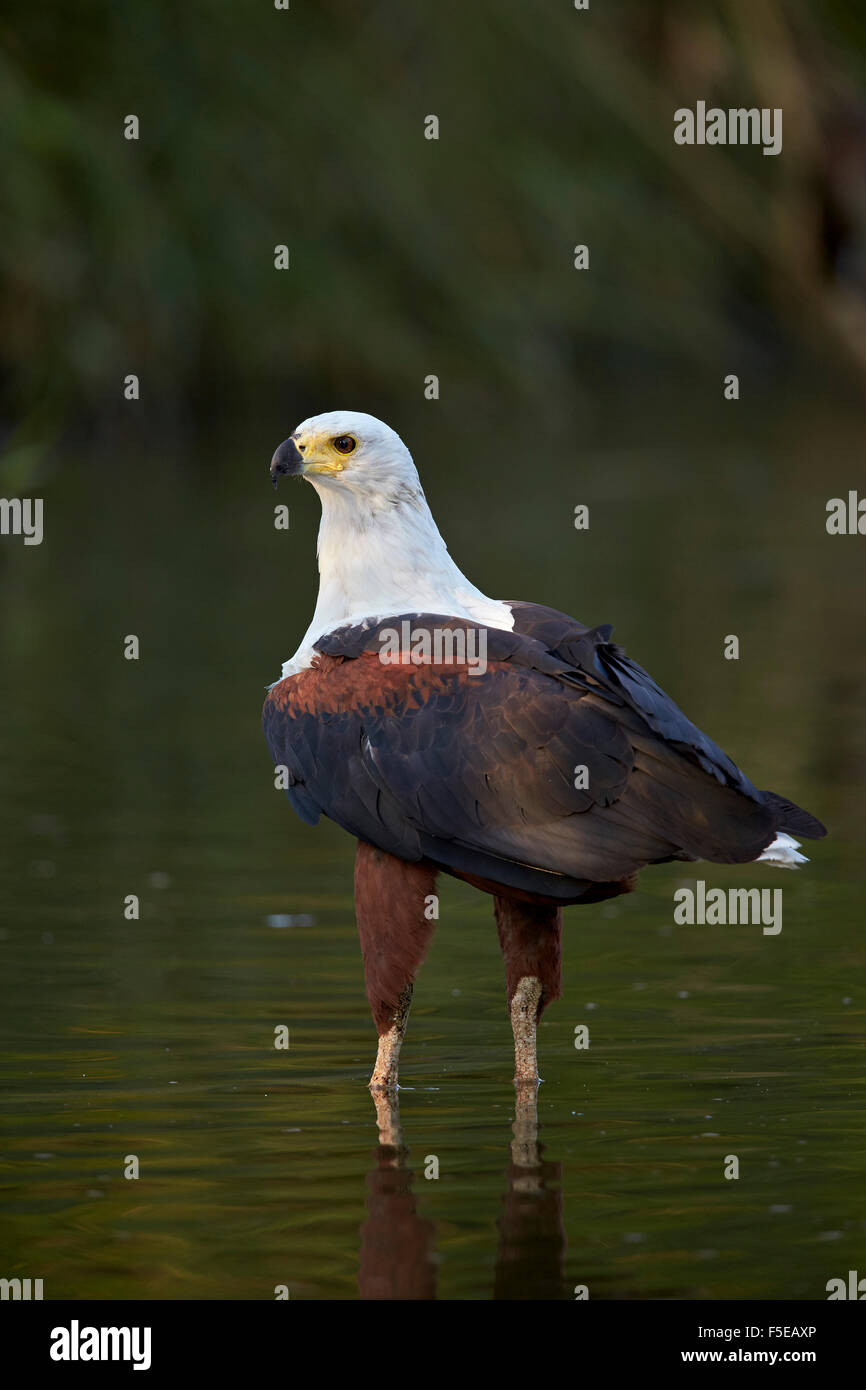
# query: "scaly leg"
{"type": "Point", "coordinates": [388, 1056]}
{"type": "Point", "coordinates": [530, 935]}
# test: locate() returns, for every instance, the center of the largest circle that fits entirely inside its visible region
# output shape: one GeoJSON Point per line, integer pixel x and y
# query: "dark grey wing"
{"type": "Point", "coordinates": [562, 761]}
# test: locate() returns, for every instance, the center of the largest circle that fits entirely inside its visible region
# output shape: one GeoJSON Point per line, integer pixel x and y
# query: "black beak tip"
{"type": "Point", "coordinates": [286, 460]}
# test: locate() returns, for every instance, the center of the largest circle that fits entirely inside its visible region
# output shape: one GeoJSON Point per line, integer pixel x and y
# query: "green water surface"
{"type": "Point", "coordinates": [155, 1038]}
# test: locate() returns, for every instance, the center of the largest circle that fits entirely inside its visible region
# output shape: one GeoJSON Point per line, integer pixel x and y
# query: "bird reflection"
{"type": "Point", "coordinates": [531, 1254]}
{"type": "Point", "coordinates": [397, 1245]}
{"type": "Point", "coordinates": [397, 1256]}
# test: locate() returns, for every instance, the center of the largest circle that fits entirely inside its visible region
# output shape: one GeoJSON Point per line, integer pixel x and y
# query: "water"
{"type": "Point", "coordinates": [154, 1037]}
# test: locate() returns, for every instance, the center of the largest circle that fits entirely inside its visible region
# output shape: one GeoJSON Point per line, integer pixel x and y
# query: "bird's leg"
{"type": "Point", "coordinates": [530, 937]}
{"type": "Point", "coordinates": [524, 1019]}
{"type": "Point", "coordinates": [388, 1056]}
{"type": "Point", "coordinates": [395, 904]}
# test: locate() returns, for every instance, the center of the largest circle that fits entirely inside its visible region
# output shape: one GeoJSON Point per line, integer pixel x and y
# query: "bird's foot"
{"type": "Point", "coordinates": [384, 1076]}
{"type": "Point", "coordinates": [527, 1085]}
{"type": "Point", "coordinates": [383, 1085]}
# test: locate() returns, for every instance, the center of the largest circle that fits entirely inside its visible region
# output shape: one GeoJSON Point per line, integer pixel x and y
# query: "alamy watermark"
{"type": "Point", "coordinates": [434, 646]}
{"type": "Point", "coordinates": [21, 1289]}
{"type": "Point", "coordinates": [22, 516]}
{"type": "Point", "coordinates": [853, 1287]}
{"type": "Point", "coordinates": [738, 907]}
{"type": "Point", "coordinates": [77, 1343]}
{"type": "Point", "coordinates": [735, 126]}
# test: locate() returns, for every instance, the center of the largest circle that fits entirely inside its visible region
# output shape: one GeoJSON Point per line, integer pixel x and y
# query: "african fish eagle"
{"type": "Point", "coordinates": [436, 763]}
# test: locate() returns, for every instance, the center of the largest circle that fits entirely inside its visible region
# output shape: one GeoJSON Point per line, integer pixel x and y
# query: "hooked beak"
{"type": "Point", "coordinates": [287, 459]}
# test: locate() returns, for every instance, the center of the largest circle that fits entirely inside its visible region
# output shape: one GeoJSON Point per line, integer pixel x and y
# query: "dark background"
{"type": "Point", "coordinates": [305, 127]}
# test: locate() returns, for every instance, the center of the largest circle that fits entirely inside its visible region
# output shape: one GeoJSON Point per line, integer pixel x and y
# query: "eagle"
{"type": "Point", "coordinates": [499, 741]}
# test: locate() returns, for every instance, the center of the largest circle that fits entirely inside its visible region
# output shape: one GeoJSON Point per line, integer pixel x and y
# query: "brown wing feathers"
{"type": "Point", "coordinates": [477, 772]}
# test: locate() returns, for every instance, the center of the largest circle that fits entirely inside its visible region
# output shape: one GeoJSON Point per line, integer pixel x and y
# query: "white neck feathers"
{"type": "Point", "coordinates": [380, 556]}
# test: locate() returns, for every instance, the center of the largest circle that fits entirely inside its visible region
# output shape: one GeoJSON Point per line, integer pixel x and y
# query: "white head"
{"type": "Point", "coordinates": [380, 552]}
{"type": "Point", "coordinates": [348, 452]}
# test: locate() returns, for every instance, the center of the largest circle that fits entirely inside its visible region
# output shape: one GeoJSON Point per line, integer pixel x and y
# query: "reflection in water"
{"type": "Point", "coordinates": [397, 1259]}
{"type": "Point", "coordinates": [529, 1261]}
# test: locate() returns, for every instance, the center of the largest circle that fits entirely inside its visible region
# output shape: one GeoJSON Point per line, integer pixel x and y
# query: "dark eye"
{"type": "Point", "coordinates": [344, 444]}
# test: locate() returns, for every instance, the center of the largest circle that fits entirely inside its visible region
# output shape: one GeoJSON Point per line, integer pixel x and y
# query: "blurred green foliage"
{"type": "Point", "coordinates": [409, 256]}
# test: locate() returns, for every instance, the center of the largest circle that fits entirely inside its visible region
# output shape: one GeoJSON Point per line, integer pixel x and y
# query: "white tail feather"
{"type": "Point", "coordinates": [783, 853]}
